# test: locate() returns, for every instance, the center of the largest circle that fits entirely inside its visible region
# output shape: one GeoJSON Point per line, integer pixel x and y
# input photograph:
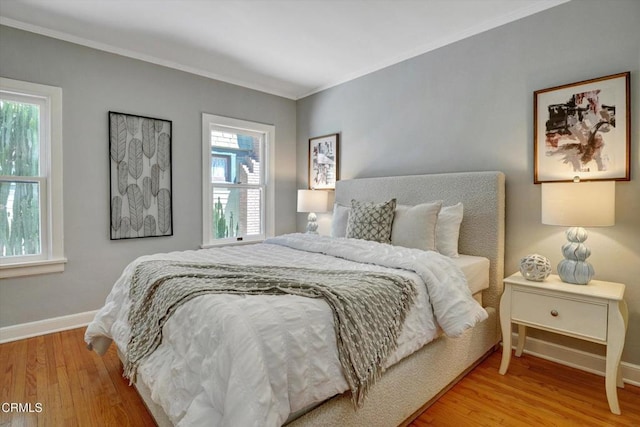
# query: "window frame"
{"type": "Point", "coordinates": [210, 121]}
{"type": "Point", "coordinates": [51, 259]}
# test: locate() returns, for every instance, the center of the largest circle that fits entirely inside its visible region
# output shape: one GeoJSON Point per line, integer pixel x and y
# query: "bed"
{"type": "Point", "coordinates": [414, 377]}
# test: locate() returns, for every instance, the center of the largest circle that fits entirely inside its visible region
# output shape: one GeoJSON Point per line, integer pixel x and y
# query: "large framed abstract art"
{"type": "Point", "coordinates": [583, 129]}
{"type": "Point", "coordinates": [140, 176]}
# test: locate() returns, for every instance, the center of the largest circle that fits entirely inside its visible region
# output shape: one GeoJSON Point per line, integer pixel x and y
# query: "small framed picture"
{"type": "Point", "coordinates": [323, 162]}
{"type": "Point", "coordinates": [583, 129]}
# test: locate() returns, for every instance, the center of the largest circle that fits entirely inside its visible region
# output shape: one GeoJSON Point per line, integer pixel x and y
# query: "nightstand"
{"type": "Point", "coordinates": [595, 312]}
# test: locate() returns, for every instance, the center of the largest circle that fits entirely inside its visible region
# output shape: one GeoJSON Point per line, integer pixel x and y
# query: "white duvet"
{"type": "Point", "coordinates": [234, 360]}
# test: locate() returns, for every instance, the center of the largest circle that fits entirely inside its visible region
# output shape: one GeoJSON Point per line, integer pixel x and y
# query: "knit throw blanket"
{"type": "Point", "coordinates": [369, 308]}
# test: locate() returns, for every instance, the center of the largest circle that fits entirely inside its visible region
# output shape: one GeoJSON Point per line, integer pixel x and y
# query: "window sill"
{"type": "Point", "coordinates": [32, 268]}
{"type": "Point", "coordinates": [231, 242]}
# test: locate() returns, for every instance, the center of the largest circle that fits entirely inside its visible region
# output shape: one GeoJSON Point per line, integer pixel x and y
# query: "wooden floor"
{"type": "Point", "coordinates": [534, 392]}
{"type": "Point", "coordinates": [75, 387]}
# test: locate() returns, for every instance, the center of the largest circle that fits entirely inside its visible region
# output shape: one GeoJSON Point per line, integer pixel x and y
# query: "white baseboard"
{"type": "Point", "coordinates": [46, 326]}
{"type": "Point", "coordinates": [579, 359]}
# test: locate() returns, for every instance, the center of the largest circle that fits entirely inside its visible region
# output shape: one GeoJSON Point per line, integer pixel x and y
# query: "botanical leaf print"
{"type": "Point", "coordinates": [148, 138]}
{"type": "Point", "coordinates": [164, 210]}
{"type": "Point", "coordinates": [155, 180]}
{"type": "Point", "coordinates": [116, 212]}
{"type": "Point", "coordinates": [164, 155]}
{"type": "Point", "coordinates": [149, 226]}
{"type": "Point", "coordinates": [125, 227]}
{"type": "Point", "coordinates": [135, 158]}
{"type": "Point", "coordinates": [134, 197]}
{"type": "Point", "coordinates": [146, 191]}
{"type": "Point", "coordinates": [132, 125]}
{"type": "Point", "coordinates": [122, 177]}
{"type": "Point", "coordinates": [118, 140]}
{"type": "Point", "coordinates": [141, 204]}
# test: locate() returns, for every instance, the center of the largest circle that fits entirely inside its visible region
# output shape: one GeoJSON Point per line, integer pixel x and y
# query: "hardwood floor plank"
{"type": "Point", "coordinates": [41, 375]}
{"type": "Point", "coordinates": [79, 388]}
{"type": "Point", "coordinates": [8, 354]}
{"type": "Point", "coordinates": [78, 393]}
{"type": "Point", "coordinates": [18, 372]}
{"type": "Point", "coordinates": [52, 383]}
{"type": "Point", "coordinates": [31, 391]}
{"type": "Point", "coordinates": [64, 385]}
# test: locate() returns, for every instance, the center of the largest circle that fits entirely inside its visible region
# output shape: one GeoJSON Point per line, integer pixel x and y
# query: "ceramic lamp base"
{"type": "Point", "coordinates": [312, 224]}
{"type": "Point", "coordinates": [574, 268]}
{"type": "Point", "coordinates": [575, 272]}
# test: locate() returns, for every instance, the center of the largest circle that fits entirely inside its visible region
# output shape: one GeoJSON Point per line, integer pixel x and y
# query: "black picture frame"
{"type": "Point", "coordinates": [324, 162]}
{"type": "Point", "coordinates": [141, 193]}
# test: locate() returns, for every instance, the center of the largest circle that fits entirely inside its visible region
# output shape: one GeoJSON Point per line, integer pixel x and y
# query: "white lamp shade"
{"type": "Point", "coordinates": [581, 204]}
{"type": "Point", "coordinates": [313, 201]}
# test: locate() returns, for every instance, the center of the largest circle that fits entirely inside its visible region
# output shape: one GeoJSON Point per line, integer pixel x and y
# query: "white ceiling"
{"type": "Point", "coordinates": [284, 47]}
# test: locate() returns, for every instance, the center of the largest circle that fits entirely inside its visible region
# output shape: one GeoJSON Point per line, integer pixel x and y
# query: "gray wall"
{"type": "Point", "coordinates": [468, 106]}
{"type": "Point", "coordinates": [94, 82]}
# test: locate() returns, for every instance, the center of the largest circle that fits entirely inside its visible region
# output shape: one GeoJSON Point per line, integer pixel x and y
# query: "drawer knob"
{"type": "Point", "coordinates": [554, 313]}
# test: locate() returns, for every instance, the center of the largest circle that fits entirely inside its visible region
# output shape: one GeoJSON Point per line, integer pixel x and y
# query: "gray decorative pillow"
{"type": "Point", "coordinates": [371, 221]}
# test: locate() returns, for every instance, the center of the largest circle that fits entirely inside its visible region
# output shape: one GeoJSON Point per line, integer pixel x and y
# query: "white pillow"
{"type": "Point", "coordinates": [415, 226]}
{"type": "Point", "coordinates": [448, 229]}
{"type": "Point", "coordinates": [340, 220]}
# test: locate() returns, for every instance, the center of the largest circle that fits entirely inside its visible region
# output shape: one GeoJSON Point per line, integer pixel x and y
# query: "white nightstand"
{"type": "Point", "coordinates": [594, 312]}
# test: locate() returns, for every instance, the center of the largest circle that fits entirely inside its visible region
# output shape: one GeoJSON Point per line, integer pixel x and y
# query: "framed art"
{"type": "Point", "coordinates": [583, 129]}
{"type": "Point", "coordinates": [140, 176]}
{"type": "Point", "coordinates": [323, 162]}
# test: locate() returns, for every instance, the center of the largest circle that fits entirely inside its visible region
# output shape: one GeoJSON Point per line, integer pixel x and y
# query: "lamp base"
{"type": "Point", "coordinates": [312, 224]}
{"type": "Point", "coordinates": [575, 272]}
{"type": "Point", "coordinates": [574, 268]}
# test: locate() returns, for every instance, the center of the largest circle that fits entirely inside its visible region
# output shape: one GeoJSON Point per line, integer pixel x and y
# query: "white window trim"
{"type": "Point", "coordinates": [269, 175]}
{"type": "Point", "coordinates": [54, 258]}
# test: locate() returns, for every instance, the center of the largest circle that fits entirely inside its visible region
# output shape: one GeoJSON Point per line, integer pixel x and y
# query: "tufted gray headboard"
{"type": "Point", "coordinates": [482, 193]}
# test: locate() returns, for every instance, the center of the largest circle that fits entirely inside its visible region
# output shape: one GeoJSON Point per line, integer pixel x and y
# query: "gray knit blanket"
{"type": "Point", "coordinates": [369, 308]}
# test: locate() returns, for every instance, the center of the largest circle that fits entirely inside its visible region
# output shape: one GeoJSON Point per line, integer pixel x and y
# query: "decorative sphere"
{"type": "Point", "coordinates": [535, 267]}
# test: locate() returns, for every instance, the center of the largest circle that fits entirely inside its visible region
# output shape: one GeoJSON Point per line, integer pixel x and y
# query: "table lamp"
{"type": "Point", "coordinates": [578, 204]}
{"type": "Point", "coordinates": [312, 201]}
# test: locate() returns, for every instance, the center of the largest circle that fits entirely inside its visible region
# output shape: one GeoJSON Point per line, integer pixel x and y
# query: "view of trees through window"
{"type": "Point", "coordinates": [20, 232]}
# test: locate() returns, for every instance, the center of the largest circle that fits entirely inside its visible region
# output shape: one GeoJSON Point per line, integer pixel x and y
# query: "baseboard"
{"type": "Point", "coordinates": [579, 359]}
{"type": "Point", "coordinates": [46, 326]}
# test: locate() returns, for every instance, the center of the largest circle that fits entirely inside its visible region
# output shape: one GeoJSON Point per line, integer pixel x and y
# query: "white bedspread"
{"type": "Point", "coordinates": [234, 360]}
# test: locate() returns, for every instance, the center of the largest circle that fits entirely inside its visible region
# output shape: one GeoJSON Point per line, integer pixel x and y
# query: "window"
{"type": "Point", "coordinates": [237, 180]}
{"type": "Point", "coordinates": [30, 179]}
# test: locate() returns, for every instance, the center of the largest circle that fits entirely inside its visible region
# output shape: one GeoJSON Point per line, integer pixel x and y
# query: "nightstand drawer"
{"type": "Point", "coordinates": [583, 318]}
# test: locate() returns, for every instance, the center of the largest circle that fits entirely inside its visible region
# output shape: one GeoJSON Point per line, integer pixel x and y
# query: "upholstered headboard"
{"type": "Point", "coordinates": [482, 193]}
